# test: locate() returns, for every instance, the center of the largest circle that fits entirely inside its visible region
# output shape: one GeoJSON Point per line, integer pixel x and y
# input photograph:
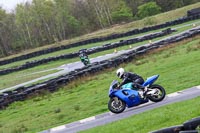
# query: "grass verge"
{"type": "Point", "coordinates": [87, 96]}
{"type": "Point", "coordinates": [21, 77]}
{"type": "Point", "coordinates": [169, 115]}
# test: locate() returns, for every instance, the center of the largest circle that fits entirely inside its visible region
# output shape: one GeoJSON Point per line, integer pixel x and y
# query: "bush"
{"type": "Point", "coordinates": [148, 9]}
{"type": "Point", "coordinates": [122, 14]}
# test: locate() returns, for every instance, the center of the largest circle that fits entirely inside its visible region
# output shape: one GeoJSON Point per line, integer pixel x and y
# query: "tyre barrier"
{"type": "Point", "coordinates": [173, 129]}
{"type": "Point", "coordinates": [193, 12]}
{"type": "Point", "coordinates": [22, 93]}
{"type": "Point", "coordinates": [190, 131]}
{"type": "Point", "coordinates": [88, 51]}
{"type": "Point", "coordinates": [190, 126]}
{"type": "Point", "coordinates": [100, 39]}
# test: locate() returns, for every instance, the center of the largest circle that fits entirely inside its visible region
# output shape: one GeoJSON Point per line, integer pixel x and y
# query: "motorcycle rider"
{"type": "Point", "coordinates": [82, 53]}
{"type": "Point", "coordinates": [84, 57]}
{"type": "Point", "coordinates": [128, 77]}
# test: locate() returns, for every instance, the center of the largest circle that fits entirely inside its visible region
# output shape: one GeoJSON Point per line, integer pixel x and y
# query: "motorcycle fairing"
{"type": "Point", "coordinates": [130, 97]}
{"type": "Point", "coordinates": [127, 94]}
{"type": "Point", "coordinates": [150, 80]}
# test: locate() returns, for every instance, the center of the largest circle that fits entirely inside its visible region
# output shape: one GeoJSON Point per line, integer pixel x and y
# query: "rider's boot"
{"type": "Point", "coordinates": [141, 93]}
{"type": "Point", "coordinates": [144, 91]}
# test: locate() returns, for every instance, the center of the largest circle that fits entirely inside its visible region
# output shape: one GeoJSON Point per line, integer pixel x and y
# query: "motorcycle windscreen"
{"type": "Point", "coordinates": [127, 86]}
{"type": "Point", "coordinates": [113, 85]}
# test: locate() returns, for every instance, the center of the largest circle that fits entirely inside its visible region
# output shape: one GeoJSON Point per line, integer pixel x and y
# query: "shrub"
{"type": "Point", "coordinates": [122, 14]}
{"type": "Point", "coordinates": [148, 9]}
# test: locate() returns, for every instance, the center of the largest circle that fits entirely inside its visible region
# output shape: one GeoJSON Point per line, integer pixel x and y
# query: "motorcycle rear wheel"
{"type": "Point", "coordinates": [116, 105]}
{"type": "Point", "coordinates": [160, 93]}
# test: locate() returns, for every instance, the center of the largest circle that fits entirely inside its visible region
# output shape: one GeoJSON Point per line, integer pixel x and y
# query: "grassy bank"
{"type": "Point", "coordinates": [178, 66]}
{"type": "Point", "coordinates": [153, 20]}
{"type": "Point", "coordinates": [21, 77]}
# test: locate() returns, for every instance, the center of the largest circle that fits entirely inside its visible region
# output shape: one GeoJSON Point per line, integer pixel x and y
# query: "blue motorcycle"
{"type": "Point", "coordinates": [127, 96]}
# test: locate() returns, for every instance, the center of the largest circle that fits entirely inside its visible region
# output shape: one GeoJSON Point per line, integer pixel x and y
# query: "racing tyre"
{"type": "Point", "coordinates": [85, 63]}
{"type": "Point", "coordinates": [173, 129]}
{"type": "Point", "coordinates": [159, 94]}
{"type": "Point", "coordinates": [192, 124]}
{"type": "Point", "coordinates": [189, 131]}
{"type": "Point", "coordinates": [116, 105]}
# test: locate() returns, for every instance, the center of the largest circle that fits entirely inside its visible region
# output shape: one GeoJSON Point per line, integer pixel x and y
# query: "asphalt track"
{"type": "Point", "coordinates": [109, 117]}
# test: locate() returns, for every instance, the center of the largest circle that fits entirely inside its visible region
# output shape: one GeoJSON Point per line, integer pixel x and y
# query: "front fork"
{"type": "Point", "coordinates": [116, 99]}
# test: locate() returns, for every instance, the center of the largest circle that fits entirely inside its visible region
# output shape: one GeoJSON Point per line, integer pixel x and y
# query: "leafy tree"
{"type": "Point", "coordinates": [148, 9]}
{"type": "Point", "coordinates": [133, 5]}
{"type": "Point", "coordinates": [121, 12]}
{"type": "Point", "coordinates": [167, 5]}
{"type": "Point", "coordinates": [7, 33]}
{"type": "Point", "coordinates": [69, 25]}
{"type": "Point", "coordinates": [101, 9]}
{"type": "Point", "coordinates": [86, 16]}
{"type": "Point", "coordinates": [23, 21]}
{"type": "Point", "coordinates": [43, 14]}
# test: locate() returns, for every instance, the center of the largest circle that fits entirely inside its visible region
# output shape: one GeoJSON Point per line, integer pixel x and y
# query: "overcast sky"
{"type": "Point", "coordinates": [10, 5]}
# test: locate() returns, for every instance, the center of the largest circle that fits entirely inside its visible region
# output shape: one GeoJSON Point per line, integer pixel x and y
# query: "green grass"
{"type": "Point", "coordinates": [170, 115]}
{"type": "Point", "coordinates": [8, 81]}
{"type": "Point", "coordinates": [178, 66]}
{"type": "Point", "coordinates": [157, 19]}
{"type": "Point", "coordinates": [21, 77]}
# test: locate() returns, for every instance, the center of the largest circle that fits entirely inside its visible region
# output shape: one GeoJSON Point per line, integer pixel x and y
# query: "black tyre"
{"type": "Point", "coordinates": [173, 129]}
{"type": "Point", "coordinates": [159, 95]}
{"type": "Point", "coordinates": [192, 124]}
{"type": "Point", "coordinates": [189, 131]}
{"type": "Point", "coordinates": [116, 105]}
{"type": "Point", "coordinates": [85, 63]}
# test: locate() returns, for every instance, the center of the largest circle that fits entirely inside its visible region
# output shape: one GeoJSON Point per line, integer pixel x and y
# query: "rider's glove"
{"type": "Point", "coordinates": [118, 86]}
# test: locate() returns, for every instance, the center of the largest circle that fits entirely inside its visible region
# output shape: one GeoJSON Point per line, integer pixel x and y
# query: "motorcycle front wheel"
{"type": "Point", "coordinates": [86, 62]}
{"type": "Point", "coordinates": [159, 94]}
{"type": "Point", "coordinates": [116, 105]}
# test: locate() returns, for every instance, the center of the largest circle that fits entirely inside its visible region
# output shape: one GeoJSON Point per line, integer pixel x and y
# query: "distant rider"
{"type": "Point", "coordinates": [82, 53]}
{"type": "Point", "coordinates": [128, 77]}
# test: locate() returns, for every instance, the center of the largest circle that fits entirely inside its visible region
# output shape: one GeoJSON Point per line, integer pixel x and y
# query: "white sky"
{"type": "Point", "coordinates": [10, 5]}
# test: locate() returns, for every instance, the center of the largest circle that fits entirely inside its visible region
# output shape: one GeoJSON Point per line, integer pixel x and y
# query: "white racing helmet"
{"type": "Point", "coordinates": [120, 72]}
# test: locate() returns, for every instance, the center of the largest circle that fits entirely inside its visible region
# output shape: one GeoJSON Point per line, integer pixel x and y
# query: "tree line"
{"type": "Point", "coordinates": [43, 22]}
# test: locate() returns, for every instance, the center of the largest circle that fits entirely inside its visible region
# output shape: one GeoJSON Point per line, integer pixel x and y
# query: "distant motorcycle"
{"type": "Point", "coordinates": [85, 60]}
{"type": "Point", "coordinates": [126, 96]}
{"type": "Point", "coordinates": [83, 57]}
